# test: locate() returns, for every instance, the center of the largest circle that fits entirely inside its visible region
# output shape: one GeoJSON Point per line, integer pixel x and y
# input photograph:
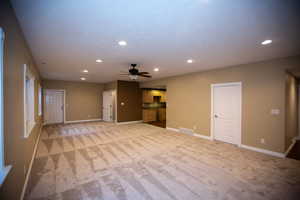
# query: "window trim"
{"type": "Point", "coordinates": [4, 170]}
{"type": "Point", "coordinates": [40, 100]}
{"type": "Point", "coordinates": [28, 75]}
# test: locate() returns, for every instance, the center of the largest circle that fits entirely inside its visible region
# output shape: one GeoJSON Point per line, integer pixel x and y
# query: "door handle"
{"type": "Point", "coordinates": [216, 116]}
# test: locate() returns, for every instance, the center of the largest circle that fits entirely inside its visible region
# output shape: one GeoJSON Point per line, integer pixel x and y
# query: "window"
{"type": "Point", "coordinates": [29, 120]}
{"type": "Point", "coordinates": [3, 169]}
{"type": "Point", "coordinates": [40, 100]}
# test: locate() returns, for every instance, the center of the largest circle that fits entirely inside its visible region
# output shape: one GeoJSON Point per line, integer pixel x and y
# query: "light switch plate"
{"type": "Point", "coordinates": [275, 111]}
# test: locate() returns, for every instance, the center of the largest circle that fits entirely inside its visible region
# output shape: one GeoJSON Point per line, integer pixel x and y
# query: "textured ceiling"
{"type": "Point", "coordinates": [69, 35]}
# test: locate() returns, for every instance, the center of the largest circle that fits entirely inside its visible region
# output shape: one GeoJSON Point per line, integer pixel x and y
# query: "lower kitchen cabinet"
{"type": "Point", "coordinates": [161, 114]}
{"type": "Point", "coordinates": [149, 115]}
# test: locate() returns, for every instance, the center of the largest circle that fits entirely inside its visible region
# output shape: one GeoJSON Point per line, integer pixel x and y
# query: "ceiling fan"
{"type": "Point", "coordinates": [134, 73]}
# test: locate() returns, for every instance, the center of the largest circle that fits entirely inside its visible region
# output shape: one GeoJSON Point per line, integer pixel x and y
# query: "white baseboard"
{"type": "Point", "coordinates": [31, 163]}
{"type": "Point", "coordinates": [194, 134]}
{"type": "Point", "coordinates": [86, 120]}
{"type": "Point", "coordinates": [203, 136]}
{"type": "Point", "coordinates": [272, 153]}
{"type": "Point", "coordinates": [172, 129]}
{"type": "Point", "coordinates": [290, 148]}
{"type": "Point", "coordinates": [292, 145]}
{"type": "Point", "coordinates": [129, 122]}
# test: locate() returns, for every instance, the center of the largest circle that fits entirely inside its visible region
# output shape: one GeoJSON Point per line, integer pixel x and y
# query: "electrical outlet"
{"type": "Point", "coordinates": [194, 127]}
{"type": "Point", "coordinates": [89, 116]}
{"type": "Point", "coordinates": [262, 140]}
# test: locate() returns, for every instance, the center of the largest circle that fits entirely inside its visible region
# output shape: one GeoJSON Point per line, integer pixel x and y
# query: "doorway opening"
{"type": "Point", "coordinates": [154, 106]}
{"type": "Point", "coordinates": [109, 106]}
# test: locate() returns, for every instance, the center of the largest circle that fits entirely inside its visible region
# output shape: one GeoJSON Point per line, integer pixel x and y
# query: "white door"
{"type": "Point", "coordinates": [226, 112]}
{"type": "Point", "coordinates": [108, 101]}
{"type": "Point", "coordinates": [54, 106]}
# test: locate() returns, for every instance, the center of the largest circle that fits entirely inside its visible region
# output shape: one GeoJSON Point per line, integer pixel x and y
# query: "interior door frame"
{"type": "Point", "coordinates": [212, 121]}
{"type": "Point", "coordinates": [64, 101]}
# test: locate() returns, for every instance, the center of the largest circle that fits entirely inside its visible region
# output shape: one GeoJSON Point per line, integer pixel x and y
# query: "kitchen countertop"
{"type": "Point", "coordinates": [149, 108]}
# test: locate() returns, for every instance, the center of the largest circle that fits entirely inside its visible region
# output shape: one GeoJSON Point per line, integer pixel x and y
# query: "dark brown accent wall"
{"type": "Point", "coordinates": [131, 95]}
{"type": "Point", "coordinates": [18, 150]}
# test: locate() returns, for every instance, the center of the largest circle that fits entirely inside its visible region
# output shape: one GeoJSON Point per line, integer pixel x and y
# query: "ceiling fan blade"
{"type": "Point", "coordinates": [147, 76]}
{"type": "Point", "coordinates": [143, 72]}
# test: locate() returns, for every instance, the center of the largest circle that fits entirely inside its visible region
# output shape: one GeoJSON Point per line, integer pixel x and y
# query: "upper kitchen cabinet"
{"type": "Point", "coordinates": [147, 96]}
{"type": "Point", "coordinates": [163, 96]}
{"type": "Point", "coordinates": [156, 93]}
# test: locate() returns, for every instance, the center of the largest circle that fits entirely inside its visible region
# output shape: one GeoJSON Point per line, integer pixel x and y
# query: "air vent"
{"type": "Point", "coordinates": [186, 131]}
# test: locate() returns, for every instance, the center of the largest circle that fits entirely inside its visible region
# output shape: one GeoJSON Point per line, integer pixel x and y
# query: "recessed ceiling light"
{"type": "Point", "coordinates": [266, 42]}
{"type": "Point", "coordinates": [82, 78]}
{"type": "Point", "coordinates": [122, 43]}
{"type": "Point", "coordinates": [189, 61]}
{"type": "Point", "coordinates": [156, 69]}
{"type": "Point", "coordinates": [85, 71]}
{"type": "Point", "coordinates": [99, 61]}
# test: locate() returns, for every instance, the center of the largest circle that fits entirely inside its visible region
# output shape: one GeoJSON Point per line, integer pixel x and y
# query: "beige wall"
{"type": "Point", "coordinates": [83, 100]}
{"type": "Point", "coordinates": [291, 109]}
{"type": "Point", "coordinates": [131, 95]}
{"type": "Point", "coordinates": [18, 150]}
{"type": "Point", "coordinates": [111, 85]}
{"type": "Point", "coordinates": [263, 84]}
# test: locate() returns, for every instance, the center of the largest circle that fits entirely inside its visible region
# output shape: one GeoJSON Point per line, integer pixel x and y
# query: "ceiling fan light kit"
{"type": "Point", "coordinates": [134, 73]}
{"type": "Point", "coordinates": [133, 77]}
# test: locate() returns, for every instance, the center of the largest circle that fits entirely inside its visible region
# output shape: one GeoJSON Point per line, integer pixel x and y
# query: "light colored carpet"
{"type": "Point", "coordinates": [101, 160]}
